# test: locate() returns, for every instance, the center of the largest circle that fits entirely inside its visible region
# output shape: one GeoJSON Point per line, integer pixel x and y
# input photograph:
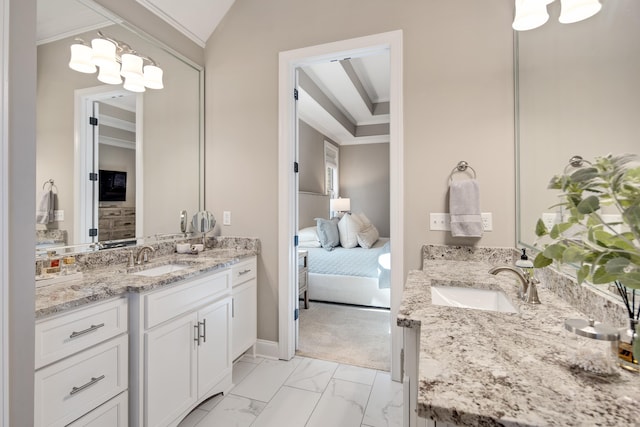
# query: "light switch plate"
{"type": "Point", "coordinates": [58, 215]}
{"type": "Point", "coordinates": [442, 221]}
{"type": "Point", "coordinates": [226, 218]}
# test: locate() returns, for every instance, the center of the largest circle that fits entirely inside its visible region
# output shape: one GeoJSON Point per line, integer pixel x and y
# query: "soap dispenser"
{"type": "Point", "coordinates": [525, 264]}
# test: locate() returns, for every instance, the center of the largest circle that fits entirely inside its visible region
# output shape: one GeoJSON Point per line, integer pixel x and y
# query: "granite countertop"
{"type": "Point", "coordinates": [103, 283]}
{"type": "Point", "coordinates": [490, 368]}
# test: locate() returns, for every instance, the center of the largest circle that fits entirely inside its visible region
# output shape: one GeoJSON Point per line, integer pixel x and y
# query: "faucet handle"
{"type": "Point", "coordinates": [532, 292]}
{"type": "Point", "coordinates": [132, 261]}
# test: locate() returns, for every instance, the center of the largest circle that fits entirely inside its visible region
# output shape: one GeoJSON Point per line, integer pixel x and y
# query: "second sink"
{"type": "Point", "coordinates": [160, 270]}
{"type": "Point", "coordinates": [479, 299]}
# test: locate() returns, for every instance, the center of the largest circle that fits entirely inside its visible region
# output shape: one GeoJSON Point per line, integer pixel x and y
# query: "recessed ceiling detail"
{"type": "Point", "coordinates": [58, 19]}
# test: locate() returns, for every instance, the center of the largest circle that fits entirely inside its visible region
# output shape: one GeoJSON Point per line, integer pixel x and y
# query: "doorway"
{"type": "Point", "coordinates": [289, 61]}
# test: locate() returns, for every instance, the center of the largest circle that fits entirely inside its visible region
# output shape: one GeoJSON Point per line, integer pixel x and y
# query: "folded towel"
{"type": "Point", "coordinates": [464, 208]}
{"type": "Point", "coordinates": [44, 214]}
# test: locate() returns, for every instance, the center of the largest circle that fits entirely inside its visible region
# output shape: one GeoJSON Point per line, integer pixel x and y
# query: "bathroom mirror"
{"type": "Point", "coordinates": [577, 93]}
{"type": "Point", "coordinates": [156, 138]}
{"type": "Point", "coordinates": [202, 222]}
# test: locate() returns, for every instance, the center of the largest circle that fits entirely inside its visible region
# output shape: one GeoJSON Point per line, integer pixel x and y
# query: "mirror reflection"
{"type": "Point", "coordinates": [577, 94]}
{"type": "Point", "coordinates": [578, 89]}
{"type": "Point", "coordinates": [132, 174]}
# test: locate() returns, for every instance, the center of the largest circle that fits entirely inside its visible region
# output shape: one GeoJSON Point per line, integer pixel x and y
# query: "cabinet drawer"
{"type": "Point", "coordinates": [70, 388]}
{"type": "Point", "coordinates": [124, 222]}
{"type": "Point", "coordinates": [166, 304]}
{"type": "Point", "coordinates": [114, 413]}
{"type": "Point", "coordinates": [72, 332]}
{"type": "Point", "coordinates": [244, 271]}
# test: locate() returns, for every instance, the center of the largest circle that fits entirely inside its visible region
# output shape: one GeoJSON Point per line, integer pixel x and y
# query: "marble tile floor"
{"type": "Point", "coordinates": [302, 392]}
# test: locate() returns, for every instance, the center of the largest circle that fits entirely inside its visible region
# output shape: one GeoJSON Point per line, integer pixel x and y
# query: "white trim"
{"type": "Point", "coordinates": [117, 142]}
{"type": "Point", "coordinates": [287, 256]}
{"type": "Point", "coordinates": [4, 214]}
{"type": "Point", "coordinates": [267, 349]}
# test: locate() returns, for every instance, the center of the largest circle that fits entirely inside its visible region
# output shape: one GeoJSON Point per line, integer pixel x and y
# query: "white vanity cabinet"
{"type": "Point", "coordinates": [180, 348]}
{"type": "Point", "coordinates": [245, 307]}
{"type": "Point", "coordinates": [82, 366]}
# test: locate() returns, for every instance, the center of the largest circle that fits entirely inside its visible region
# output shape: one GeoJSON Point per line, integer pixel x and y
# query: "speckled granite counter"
{"type": "Point", "coordinates": [106, 282]}
{"type": "Point", "coordinates": [489, 368]}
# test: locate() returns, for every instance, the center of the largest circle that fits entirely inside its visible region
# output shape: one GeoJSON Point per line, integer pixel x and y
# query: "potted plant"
{"type": "Point", "coordinates": [603, 251]}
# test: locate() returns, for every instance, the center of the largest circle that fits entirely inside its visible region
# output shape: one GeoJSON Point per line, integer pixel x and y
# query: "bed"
{"type": "Point", "coordinates": [354, 275]}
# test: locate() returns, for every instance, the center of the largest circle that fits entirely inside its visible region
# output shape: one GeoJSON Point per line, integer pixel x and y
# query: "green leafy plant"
{"type": "Point", "coordinates": [603, 251]}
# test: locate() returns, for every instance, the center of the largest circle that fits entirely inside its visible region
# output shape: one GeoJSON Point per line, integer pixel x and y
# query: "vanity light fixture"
{"type": "Point", "coordinates": [531, 14]}
{"type": "Point", "coordinates": [116, 60]}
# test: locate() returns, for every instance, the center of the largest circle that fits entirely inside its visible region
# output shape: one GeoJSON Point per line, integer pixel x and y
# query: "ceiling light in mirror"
{"type": "Point", "coordinates": [81, 55]}
{"type": "Point", "coordinates": [104, 52]}
{"type": "Point", "coordinates": [110, 73]}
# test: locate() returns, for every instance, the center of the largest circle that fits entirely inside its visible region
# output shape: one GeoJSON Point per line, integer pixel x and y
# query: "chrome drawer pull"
{"type": "Point", "coordinates": [82, 387]}
{"type": "Point", "coordinates": [204, 329]}
{"type": "Point", "coordinates": [86, 331]}
{"type": "Point", "coordinates": [197, 331]}
{"type": "Point", "coordinates": [242, 273]}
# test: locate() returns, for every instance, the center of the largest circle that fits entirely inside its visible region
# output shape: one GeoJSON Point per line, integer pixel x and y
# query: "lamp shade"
{"type": "Point", "coordinates": [131, 66]}
{"type": "Point", "coordinates": [530, 14]}
{"type": "Point", "coordinates": [576, 10]}
{"type": "Point", "coordinates": [134, 83]}
{"type": "Point", "coordinates": [340, 205]}
{"type": "Point", "coordinates": [153, 77]}
{"type": "Point", "coordinates": [81, 59]}
{"type": "Point", "coordinates": [104, 52]}
{"type": "Point", "coordinates": [110, 73]}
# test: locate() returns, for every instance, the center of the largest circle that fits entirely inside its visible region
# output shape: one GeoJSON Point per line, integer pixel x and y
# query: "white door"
{"type": "Point", "coordinates": [214, 350]}
{"type": "Point", "coordinates": [170, 378]}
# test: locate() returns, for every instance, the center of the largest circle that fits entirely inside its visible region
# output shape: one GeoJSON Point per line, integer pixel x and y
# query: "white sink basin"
{"type": "Point", "coordinates": [479, 299]}
{"type": "Point", "coordinates": [160, 270]}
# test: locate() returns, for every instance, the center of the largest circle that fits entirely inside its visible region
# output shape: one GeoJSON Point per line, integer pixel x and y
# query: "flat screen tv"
{"type": "Point", "coordinates": [113, 186]}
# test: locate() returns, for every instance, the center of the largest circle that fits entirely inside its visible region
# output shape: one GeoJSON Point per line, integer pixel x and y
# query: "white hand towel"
{"type": "Point", "coordinates": [464, 208]}
{"type": "Point", "coordinates": [44, 214]}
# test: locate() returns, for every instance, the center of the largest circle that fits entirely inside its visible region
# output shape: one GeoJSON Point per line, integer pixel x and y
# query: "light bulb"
{"type": "Point", "coordinates": [530, 14]}
{"type": "Point", "coordinates": [578, 10]}
{"type": "Point", "coordinates": [153, 77]}
{"type": "Point", "coordinates": [104, 52]}
{"type": "Point", "coordinates": [110, 73]}
{"type": "Point", "coordinates": [81, 59]}
{"type": "Point", "coordinates": [131, 66]}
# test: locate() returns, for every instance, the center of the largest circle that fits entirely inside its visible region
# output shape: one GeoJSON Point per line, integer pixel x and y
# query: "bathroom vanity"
{"type": "Point", "coordinates": [467, 367]}
{"type": "Point", "coordinates": [143, 346]}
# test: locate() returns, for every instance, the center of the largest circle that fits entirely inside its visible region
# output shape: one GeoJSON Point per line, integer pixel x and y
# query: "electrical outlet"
{"type": "Point", "coordinates": [226, 218]}
{"type": "Point", "coordinates": [58, 215]}
{"type": "Point", "coordinates": [439, 222]}
{"type": "Point", "coordinates": [487, 221]}
{"type": "Point", "coordinates": [550, 219]}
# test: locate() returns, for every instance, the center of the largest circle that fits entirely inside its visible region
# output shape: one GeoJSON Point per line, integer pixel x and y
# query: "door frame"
{"type": "Point", "coordinates": [287, 200]}
{"type": "Point", "coordinates": [84, 160]}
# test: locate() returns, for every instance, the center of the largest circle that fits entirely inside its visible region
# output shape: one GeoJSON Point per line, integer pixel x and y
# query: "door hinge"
{"type": "Point", "coordinates": [296, 313]}
{"type": "Point", "coordinates": [93, 176]}
{"type": "Point", "coordinates": [93, 121]}
{"type": "Point", "coordinates": [295, 240]}
{"type": "Point", "coordinates": [295, 94]}
{"type": "Point", "coordinates": [295, 167]}
{"type": "Point", "coordinates": [93, 232]}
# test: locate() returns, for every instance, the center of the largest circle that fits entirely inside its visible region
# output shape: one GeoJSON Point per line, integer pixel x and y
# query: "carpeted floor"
{"type": "Point", "coordinates": [346, 334]}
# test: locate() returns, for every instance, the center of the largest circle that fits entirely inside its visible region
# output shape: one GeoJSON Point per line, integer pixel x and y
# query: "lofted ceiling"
{"type": "Point", "coordinates": [347, 100]}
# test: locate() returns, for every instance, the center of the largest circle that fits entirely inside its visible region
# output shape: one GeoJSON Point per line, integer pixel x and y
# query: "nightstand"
{"type": "Point", "coordinates": [303, 276]}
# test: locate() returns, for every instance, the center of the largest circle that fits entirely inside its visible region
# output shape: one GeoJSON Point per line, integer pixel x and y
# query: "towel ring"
{"type": "Point", "coordinates": [51, 183]}
{"type": "Point", "coordinates": [576, 162]}
{"type": "Point", "coordinates": [462, 166]}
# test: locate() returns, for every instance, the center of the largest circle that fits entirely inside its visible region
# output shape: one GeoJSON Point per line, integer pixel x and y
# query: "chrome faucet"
{"type": "Point", "coordinates": [141, 257]}
{"type": "Point", "coordinates": [529, 292]}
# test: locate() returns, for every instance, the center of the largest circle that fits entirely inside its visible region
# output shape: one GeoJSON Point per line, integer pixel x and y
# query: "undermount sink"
{"type": "Point", "coordinates": [479, 299]}
{"type": "Point", "coordinates": [160, 270]}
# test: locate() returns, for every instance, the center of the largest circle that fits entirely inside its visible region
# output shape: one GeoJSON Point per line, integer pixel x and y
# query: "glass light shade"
{"type": "Point", "coordinates": [110, 73]}
{"type": "Point", "coordinates": [578, 10]}
{"type": "Point", "coordinates": [81, 59]}
{"type": "Point", "coordinates": [131, 66]}
{"type": "Point", "coordinates": [530, 14]}
{"type": "Point", "coordinates": [153, 77]}
{"type": "Point", "coordinates": [104, 52]}
{"type": "Point", "coordinates": [134, 83]}
{"type": "Point", "coordinates": [340, 205]}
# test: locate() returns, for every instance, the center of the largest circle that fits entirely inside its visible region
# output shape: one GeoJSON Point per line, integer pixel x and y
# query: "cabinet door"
{"type": "Point", "coordinates": [244, 320]}
{"type": "Point", "coordinates": [111, 414]}
{"type": "Point", "coordinates": [170, 379]}
{"type": "Point", "coordinates": [214, 351]}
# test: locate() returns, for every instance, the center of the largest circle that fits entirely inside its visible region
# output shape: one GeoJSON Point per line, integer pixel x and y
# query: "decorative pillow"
{"type": "Point", "coordinates": [328, 233]}
{"type": "Point", "coordinates": [348, 228]}
{"type": "Point", "coordinates": [309, 234]}
{"type": "Point", "coordinates": [362, 218]}
{"type": "Point", "coordinates": [368, 236]}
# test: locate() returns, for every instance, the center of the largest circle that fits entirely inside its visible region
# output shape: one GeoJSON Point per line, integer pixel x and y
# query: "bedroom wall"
{"type": "Point", "coordinates": [458, 105]}
{"type": "Point", "coordinates": [311, 158]}
{"type": "Point", "coordinates": [364, 178]}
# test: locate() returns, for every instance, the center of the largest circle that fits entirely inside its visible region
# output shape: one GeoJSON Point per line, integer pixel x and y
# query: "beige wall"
{"type": "Point", "coordinates": [458, 105]}
{"type": "Point", "coordinates": [364, 178]}
{"type": "Point", "coordinates": [311, 158]}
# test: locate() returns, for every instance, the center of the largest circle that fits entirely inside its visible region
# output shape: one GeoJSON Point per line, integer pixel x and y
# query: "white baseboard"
{"type": "Point", "coordinates": [267, 349]}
